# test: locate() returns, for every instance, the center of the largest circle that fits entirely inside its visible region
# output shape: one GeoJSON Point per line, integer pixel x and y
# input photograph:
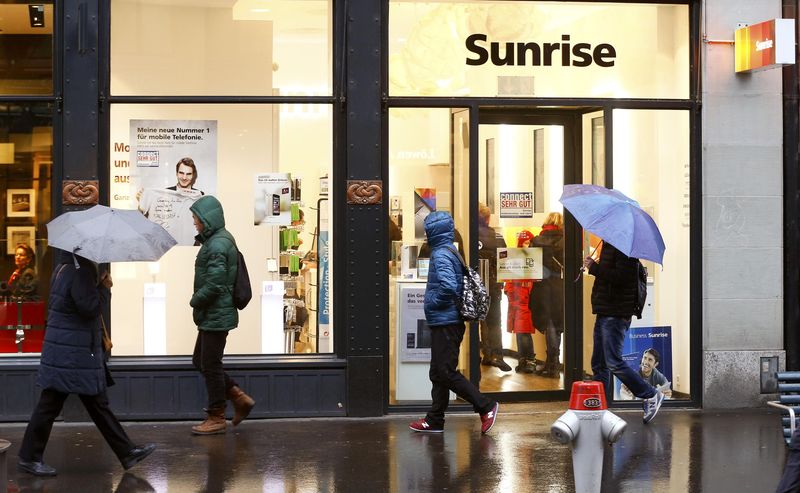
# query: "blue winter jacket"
{"type": "Point", "coordinates": [445, 272]}
{"type": "Point", "coordinates": [72, 353]}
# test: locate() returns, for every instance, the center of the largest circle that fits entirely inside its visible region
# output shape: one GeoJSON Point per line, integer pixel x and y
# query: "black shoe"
{"type": "Point", "coordinates": [524, 366]}
{"type": "Point", "coordinates": [500, 363]}
{"type": "Point", "coordinates": [136, 455]}
{"type": "Point", "coordinates": [36, 468]}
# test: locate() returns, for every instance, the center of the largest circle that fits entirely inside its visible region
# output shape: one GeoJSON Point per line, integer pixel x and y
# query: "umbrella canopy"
{"type": "Point", "coordinates": [615, 218]}
{"type": "Point", "coordinates": [103, 234]}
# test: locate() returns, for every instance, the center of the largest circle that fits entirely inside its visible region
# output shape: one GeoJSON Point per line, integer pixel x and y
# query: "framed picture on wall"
{"type": "Point", "coordinates": [21, 202]}
{"type": "Point", "coordinates": [19, 234]}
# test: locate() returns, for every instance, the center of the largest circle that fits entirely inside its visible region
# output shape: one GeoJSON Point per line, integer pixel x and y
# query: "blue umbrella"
{"type": "Point", "coordinates": [615, 218]}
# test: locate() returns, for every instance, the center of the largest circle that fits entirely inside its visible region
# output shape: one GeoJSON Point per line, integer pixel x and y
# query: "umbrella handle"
{"type": "Point", "coordinates": [583, 268]}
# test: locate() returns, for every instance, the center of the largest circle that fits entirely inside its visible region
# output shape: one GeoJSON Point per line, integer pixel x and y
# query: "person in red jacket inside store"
{"type": "Point", "coordinates": [518, 320]}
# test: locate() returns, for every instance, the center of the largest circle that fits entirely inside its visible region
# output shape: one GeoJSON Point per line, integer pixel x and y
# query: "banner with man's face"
{"type": "Point", "coordinates": [172, 164]}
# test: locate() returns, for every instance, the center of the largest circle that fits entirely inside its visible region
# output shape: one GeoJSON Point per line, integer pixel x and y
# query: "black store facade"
{"type": "Point", "coordinates": [378, 113]}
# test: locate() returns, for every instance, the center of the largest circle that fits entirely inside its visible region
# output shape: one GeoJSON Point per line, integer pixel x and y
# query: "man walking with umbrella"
{"type": "Point", "coordinates": [614, 296]}
{"type": "Point", "coordinates": [628, 234]}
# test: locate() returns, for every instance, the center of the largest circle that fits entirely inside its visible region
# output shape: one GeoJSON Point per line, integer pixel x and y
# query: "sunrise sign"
{"type": "Point", "coordinates": [765, 45]}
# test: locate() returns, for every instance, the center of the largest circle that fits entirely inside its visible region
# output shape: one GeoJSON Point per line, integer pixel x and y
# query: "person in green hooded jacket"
{"type": "Point", "coordinates": [215, 314]}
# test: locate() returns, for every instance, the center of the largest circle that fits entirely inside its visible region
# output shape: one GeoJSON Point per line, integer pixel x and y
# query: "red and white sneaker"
{"type": "Point", "coordinates": [422, 426]}
{"type": "Point", "coordinates": [488, 419]}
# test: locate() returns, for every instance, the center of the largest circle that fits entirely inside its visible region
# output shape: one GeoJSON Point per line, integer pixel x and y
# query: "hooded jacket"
{"type": "Point", "coordinates": [72, 353]}
{"type": "Point", "coordinates": [214, 269]}
{"type": "Point", "coordinates": [445, 272]}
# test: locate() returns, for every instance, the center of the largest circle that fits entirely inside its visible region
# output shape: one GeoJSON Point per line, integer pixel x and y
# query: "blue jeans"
{"type": "Point", "coordinates": [609, 333]}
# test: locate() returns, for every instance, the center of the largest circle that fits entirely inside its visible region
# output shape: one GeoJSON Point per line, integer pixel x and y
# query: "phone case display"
{"type": "Point", "coordinates": [295, 312]}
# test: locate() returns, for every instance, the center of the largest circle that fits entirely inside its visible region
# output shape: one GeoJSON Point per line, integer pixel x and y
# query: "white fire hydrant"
{"type": "Point", "coordinates": [588, 425]}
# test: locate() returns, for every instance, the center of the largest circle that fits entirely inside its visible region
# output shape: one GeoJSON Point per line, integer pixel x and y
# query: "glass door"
{"type": "Point", "coordinates": [528, 341]}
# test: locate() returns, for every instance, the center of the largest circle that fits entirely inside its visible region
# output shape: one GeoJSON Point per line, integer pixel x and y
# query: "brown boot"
{"type": "Point", "coordinates": [214, 423]}
{"type": "Point", "coordinates": [242, 404]}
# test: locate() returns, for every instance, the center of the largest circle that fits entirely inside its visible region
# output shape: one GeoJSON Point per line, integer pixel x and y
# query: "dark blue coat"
{"type": "Point", "coordinates": [72, 353]}
{"type": "Point", "coordinates": [445, 272]}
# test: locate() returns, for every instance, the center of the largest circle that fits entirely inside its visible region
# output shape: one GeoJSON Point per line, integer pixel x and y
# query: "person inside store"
{"type": "Point", "coordinates": [443, 293]}
{"type": "Point", "coordinates": [650, 374]}
{"type": "Point", "coordinates": [23, 282]}
{"type": "Point", "coordinates": [547, 295]}
{"type": "Point", "coordinates": [215, 314]}
{"type": "Point", "coordinates": [489, 241]}
{"type": "Point", "coordinates": [73, 361]}
{"type": "Point", "coordinates": [518, 319]}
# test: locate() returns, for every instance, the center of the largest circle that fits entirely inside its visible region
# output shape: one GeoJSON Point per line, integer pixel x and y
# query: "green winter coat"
{"type": "Point", "coordinates": [214, 269]}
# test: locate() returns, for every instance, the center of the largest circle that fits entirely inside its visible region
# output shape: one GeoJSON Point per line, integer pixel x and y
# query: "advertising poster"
{"type": "Point", "coordinates": [648, 351]}
{"type": "Point", "coordinates": [515, 264]}
{"type": "Point", "coordinates": [424, 204]}
{"type": "Point", "coordinates": [172, 164]}
{"type": "Point", "coordinates": [516, 205]}
{"type": "Point", "coordinates": [415, 342]}
{"type": "Point", "coordinates": [324, 301]}
{"type": "Point", "coordinates": [272, 199]}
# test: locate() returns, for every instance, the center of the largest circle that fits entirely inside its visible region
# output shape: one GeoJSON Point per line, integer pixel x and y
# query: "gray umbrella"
{"type": "Point", "coordinates": [103, 234]}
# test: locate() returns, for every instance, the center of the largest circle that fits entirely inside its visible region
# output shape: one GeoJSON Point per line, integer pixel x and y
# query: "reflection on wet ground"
{"type": "Point", "coordinates": [682, 450]}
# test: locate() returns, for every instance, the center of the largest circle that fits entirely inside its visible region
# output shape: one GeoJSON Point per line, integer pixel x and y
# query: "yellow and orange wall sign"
{"type": "Point", "coordinates": [765, 45]}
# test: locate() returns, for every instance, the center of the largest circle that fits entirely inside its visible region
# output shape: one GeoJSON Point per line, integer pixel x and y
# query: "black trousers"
{"type": "Point", "coordinates": [207, 358]}
{"type": "Point", "coordinates": [47, 410]}
{"type": "Point", "coordinates": [491, 334]}
{"type": "Point", "coordinates": [525, 346]}
{"type": "Point", "coordinates": [444, 375]}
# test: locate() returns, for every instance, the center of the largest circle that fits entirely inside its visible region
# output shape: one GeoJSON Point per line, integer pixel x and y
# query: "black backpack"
{"type": "Point", "coordinates": [242, 292]}
{"type": "Point", "coordinates": [641, 289]}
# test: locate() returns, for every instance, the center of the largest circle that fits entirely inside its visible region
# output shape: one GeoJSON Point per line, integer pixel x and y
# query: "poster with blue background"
{"type": "Point", "coordinates": [648, 351]}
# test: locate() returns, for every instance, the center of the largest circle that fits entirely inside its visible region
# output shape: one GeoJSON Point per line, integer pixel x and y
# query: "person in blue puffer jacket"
{"type": "Point", "coordinates": [442, 297]}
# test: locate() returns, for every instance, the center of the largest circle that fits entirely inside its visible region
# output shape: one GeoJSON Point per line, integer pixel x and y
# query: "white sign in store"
{"type": "Point", "coordinates": [515, 264]}
{"type": "Point", "coordinates": [414, 333]}
{"type": "Point", "coordinates": [516, 204]}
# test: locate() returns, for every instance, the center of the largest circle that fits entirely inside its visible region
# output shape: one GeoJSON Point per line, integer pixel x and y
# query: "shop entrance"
{"type": "Point", "coordinates": [531, 343]}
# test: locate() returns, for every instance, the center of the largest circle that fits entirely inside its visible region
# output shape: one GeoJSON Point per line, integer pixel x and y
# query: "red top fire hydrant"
{"type": "Point", "coordinates": [588, 425]}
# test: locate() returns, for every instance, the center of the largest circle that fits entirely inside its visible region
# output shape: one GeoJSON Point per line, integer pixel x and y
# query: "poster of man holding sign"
{"type": "Point", "coordinates": [174, 162]}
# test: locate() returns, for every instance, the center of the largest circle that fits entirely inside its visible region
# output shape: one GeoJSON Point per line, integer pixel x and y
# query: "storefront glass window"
{"type": "Point", "coordinates": [26, 167]}
{"type": "Point", "coordinates": [561, 49]}
{"type": "Point", "coordinates": [651, 165]}
{"type": "Point", "coordinates": [421, 180]}
{"type": "Point", "coordinates": [242, 47]}
{"type": "Point", "coordinates": [26, 48]}
{"type": "Point", "coordinates": [268, 165]}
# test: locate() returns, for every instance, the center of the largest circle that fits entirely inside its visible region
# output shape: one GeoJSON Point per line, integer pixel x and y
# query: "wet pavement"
{"type": "Point", "coordinates": [680, 451]}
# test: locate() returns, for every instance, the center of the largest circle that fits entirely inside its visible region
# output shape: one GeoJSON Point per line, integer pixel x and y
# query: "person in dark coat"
{"type": "Point", "coordinates": [215, 314]}
{"type": "Point", "coordinates": [23, 282]}
{"type": "Point", "coordinates": [443, 291]}
{"type": "Point", "coordinates": [489, 241]}
{"type": "Point", "coordinates": [547, 295]}
{"type": "Point", "coordinates": [73, 362]}
{"type": "Point", "coordinates": [614, 299]}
